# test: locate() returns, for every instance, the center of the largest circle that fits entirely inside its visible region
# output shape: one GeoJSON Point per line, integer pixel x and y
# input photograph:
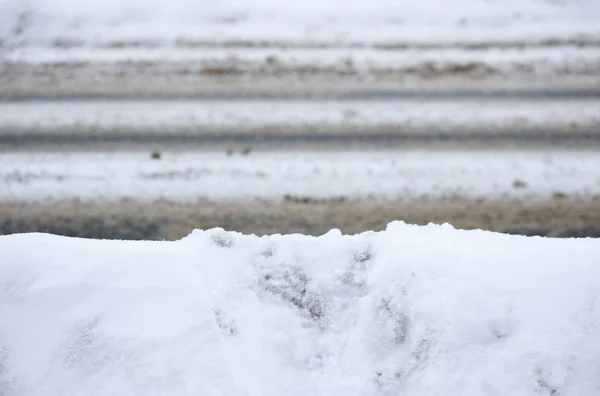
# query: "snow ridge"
{"type": "Point", "coordinates": [411, 310]}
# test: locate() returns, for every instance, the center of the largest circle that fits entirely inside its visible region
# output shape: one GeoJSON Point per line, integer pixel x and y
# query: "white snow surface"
{"type": "Point", "coordinates": [411, 310]}
{"type": "Point", "coordinates": [334, 22]}
{"type": "Point", "coordinates": [251, 114]}
{"type": "Point", "coordinates": [363, 60]}
{"type": "Point", "coordinates": [358, 32]}
{"type": "Point", "coordinates": [482, 44]}
{"type": "Point", "coordinates": [271, 175]}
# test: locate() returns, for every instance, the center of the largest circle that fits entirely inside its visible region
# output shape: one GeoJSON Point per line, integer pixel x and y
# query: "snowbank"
{"type": "Point", "coordinates": [408, 311]}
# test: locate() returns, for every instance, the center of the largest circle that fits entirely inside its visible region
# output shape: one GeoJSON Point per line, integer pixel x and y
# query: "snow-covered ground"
{"type": "Point", "coordinates": [271, 175]}
{"type": "Point", "coordinates": [97, 46]}
{"type": "Point", "coordinates": [252, 115]}
{"type": "Point", "coordinates": [409, 311]}
{"type": "Point", "coordinates": [332, 22]}
{"type": "Point", "coordinates": [359, 60]}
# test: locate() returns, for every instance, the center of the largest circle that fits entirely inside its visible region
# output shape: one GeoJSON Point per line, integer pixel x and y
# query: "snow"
{"type": "Point", "coordinates": [362, 59]}
{"type": "Point", "coordinates": [244, 115]}
{"type": "Point", "coordinates": [56, 31]}
{"type": "Point", "coordinates": [559, 60]}
{"type": "Point", "coordinates": [124, 47]}
{"type": "Point", "coordinates": [271, 175]}
{"type": "Point", "coordinates": [335, 21]}
{"type": "Point", "coordinates": [407, 311]}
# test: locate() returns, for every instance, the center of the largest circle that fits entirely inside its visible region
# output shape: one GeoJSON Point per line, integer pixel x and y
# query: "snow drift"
{"type": "Point", "coordinates": [408, 311]}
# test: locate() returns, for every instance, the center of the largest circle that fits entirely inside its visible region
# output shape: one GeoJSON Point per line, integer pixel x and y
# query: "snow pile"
{"type": "Point", "coordinates": [408, 311]}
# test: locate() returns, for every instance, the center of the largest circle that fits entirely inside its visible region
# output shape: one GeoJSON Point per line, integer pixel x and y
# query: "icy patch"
{"type": "Point", "coordinates": [411, 310]}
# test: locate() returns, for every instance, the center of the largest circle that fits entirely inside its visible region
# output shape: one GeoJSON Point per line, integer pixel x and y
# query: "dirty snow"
{"type": "Point", "coordinates": [252, 114]}
{"type": "Point", "coordinates": [271, 175]}
{"type": "Point", "coordinates": [57, 31]}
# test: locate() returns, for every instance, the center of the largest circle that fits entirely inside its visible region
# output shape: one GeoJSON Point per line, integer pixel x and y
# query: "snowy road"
{"type": "Point", "coordinates": [180, 47]}
{"type": "Point", "coordinates": [272, 175]}
{"type": "Point", "coordinates": [252, 114]}
{"type": "Point", "coordinates": [291, 124]}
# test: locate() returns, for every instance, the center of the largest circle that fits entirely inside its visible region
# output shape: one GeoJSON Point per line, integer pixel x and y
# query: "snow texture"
{"type": "Point", "coordinates": [166, 21]}
{"type": "Point", "coordinates": [251, 114]}
{"type": "Point", "coordinates": [271, 175]}
{"type": "Point", "coordinates": [121, 30]}
{"type": "Point", "coordinates": [408, 311]}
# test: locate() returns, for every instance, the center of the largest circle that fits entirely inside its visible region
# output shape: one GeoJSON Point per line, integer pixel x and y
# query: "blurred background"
{"type": "Point", "coordinates": [146, 119]}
